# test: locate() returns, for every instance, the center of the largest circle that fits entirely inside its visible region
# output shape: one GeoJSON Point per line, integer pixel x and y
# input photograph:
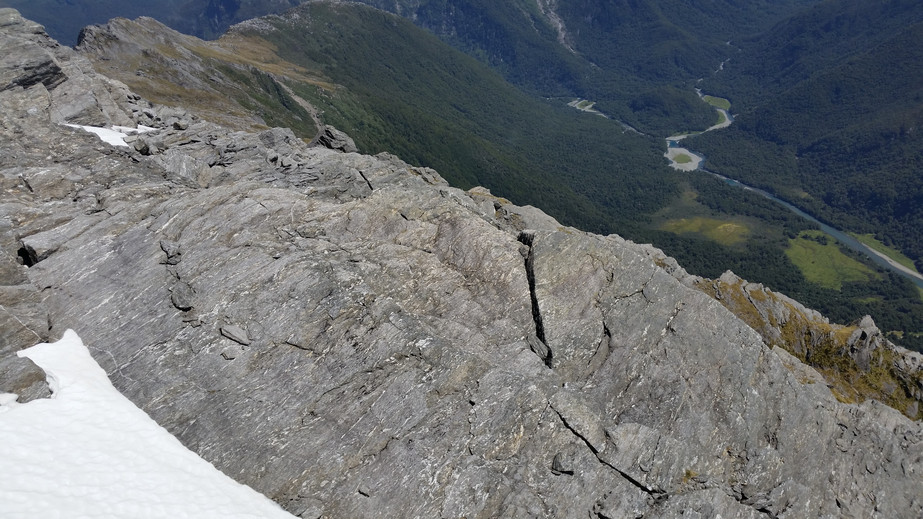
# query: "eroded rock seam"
{"type": "Point", "coordinates": [541, 349]}
{"type": "Point", "coordinates": [657, 495]}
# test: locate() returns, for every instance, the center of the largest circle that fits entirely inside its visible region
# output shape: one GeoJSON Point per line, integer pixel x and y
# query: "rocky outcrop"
{"type": "Point", "coordinates": [355, 338]}
{"type": "Point", "coordinates": [337, 140]}
{"type": "Point", "coordinates": [30, 60]}
{"type": "Point", "coordinates": [855, 360]}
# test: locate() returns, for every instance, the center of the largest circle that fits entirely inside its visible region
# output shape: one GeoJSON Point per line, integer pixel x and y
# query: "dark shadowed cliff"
{"type": "Point", "coordinates": [355, 338]}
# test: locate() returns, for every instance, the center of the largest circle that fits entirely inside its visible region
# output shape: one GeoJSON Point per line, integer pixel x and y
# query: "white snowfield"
{"type": "Point", "coordinates": [89, 452]}
{"type": "Point", "coordinates": [114, 135]}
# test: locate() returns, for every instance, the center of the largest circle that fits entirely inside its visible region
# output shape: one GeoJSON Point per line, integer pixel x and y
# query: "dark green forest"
{"type": "Point", "coordinates": [442, 109]}
{"type": "Point", "coordinates": [637, 59]}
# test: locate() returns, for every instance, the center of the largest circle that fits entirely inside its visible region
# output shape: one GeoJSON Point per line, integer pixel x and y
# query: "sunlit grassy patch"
{"type": "Point", "coordinates": [721, 231]}
{"type": "Point", "coordinates": [820, 260]}
{"type": "Point", "coordinates": [718, 102]}
{"type": "Point", "coordinates": [682, 158]}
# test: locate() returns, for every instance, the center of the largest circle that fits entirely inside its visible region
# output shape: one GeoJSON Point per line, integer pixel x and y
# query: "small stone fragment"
{"type": "Point", "coordinates": [337, 140]}
{"type": "Point", "coordinates": [142, 147]}
{"type": "Point", "coordinates": [172, 250]}
{"type": "Point", "coordinates": [182, 296]}
{"type": "Point", "coordinates": [563, 463]}
{"type": "Point", "coordinates": [236, 334]}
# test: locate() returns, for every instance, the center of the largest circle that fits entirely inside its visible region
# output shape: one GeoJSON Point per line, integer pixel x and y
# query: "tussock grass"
{"type": "Point", "coordinates": [824, 346]}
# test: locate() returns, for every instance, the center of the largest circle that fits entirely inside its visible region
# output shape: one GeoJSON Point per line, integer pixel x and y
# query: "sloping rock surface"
{"type": "Point", "coordinates": [354, 338]}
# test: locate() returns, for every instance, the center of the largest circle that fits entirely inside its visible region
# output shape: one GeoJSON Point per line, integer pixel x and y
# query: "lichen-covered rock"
{"type": "Point", "coordinates": [354, 338]}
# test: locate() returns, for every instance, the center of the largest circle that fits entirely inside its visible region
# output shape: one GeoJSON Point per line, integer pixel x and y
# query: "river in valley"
{"type": "Point", "coordinates": [683, 159]}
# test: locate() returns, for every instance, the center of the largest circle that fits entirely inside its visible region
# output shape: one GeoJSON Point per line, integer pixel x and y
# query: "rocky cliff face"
{"type": "Point", "coordinates": [354, 338]}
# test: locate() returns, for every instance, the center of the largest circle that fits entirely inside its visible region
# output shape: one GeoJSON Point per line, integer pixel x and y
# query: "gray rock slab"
{"type": "Point", "coordinates": [355, 338]}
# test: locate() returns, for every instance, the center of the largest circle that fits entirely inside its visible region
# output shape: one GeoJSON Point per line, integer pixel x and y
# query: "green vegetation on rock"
{"type": "Point", "coordinates": [829, 348]}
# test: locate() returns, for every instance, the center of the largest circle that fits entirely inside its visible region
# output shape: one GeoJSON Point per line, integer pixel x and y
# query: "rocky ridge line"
{"type": "Point", "coordinates": [351, 336]}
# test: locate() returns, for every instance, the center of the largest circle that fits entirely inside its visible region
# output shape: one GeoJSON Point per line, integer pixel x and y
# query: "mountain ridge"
{"type": "Point", "coordinates": [351, 336]}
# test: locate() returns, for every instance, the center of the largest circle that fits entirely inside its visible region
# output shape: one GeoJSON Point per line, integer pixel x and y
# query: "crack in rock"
{"type": "Point", "coordinates": [540, 347]}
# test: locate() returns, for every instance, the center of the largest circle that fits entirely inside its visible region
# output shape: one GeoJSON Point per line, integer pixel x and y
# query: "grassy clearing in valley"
{"type": "Point", "coordinates": [896, 255]}
{"type": "Point", "coordinates": [682, 158]}
{"type": "Point", "coordinates": [718, 102]}
{"type": "Point", "coordinates": [819, 258]}
{"type": "Point", "coordinates": [720, 231]}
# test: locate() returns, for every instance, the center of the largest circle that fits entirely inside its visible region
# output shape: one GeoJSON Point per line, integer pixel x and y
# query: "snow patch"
{"type": "Point", "coordinates": [89, 452]}
{"type": "Point", "coordinates": [114, 135]}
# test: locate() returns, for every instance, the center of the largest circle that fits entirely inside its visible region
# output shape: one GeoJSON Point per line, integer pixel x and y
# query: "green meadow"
{"type": "Point", "coordinates": [820, 259]}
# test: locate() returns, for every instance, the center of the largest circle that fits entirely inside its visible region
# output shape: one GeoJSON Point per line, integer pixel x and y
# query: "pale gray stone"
{"type": "Point", "coordinates": [354, 338]}
{"type": "Point", "coordinates": [235, 333]}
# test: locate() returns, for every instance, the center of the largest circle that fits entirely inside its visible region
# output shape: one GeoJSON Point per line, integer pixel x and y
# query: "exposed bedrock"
{"type": "Point", "coordinates": [354, 338]}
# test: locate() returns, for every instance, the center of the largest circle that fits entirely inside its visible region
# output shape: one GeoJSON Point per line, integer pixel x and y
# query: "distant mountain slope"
{"type": "Point", "coordinates": [396, 88]}
{"type": "Point", "coordinates": [63, 19]}
{"type": "Point", "coordinates": [634, 58]}
{"type": "Point", "coordinates": [630, 57]}
{"type": "Point", "coordinates": [404, 91]}
{"type": "Point", "coordinates": [813, 40]}
{"type": "Point", "coordinates": [234, 84]}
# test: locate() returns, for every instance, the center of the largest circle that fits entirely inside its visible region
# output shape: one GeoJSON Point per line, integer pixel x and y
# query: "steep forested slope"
{"type": "Point", "coordinates": [636, 59]}
{"type": "Point", "coordinates": [403, 91]}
